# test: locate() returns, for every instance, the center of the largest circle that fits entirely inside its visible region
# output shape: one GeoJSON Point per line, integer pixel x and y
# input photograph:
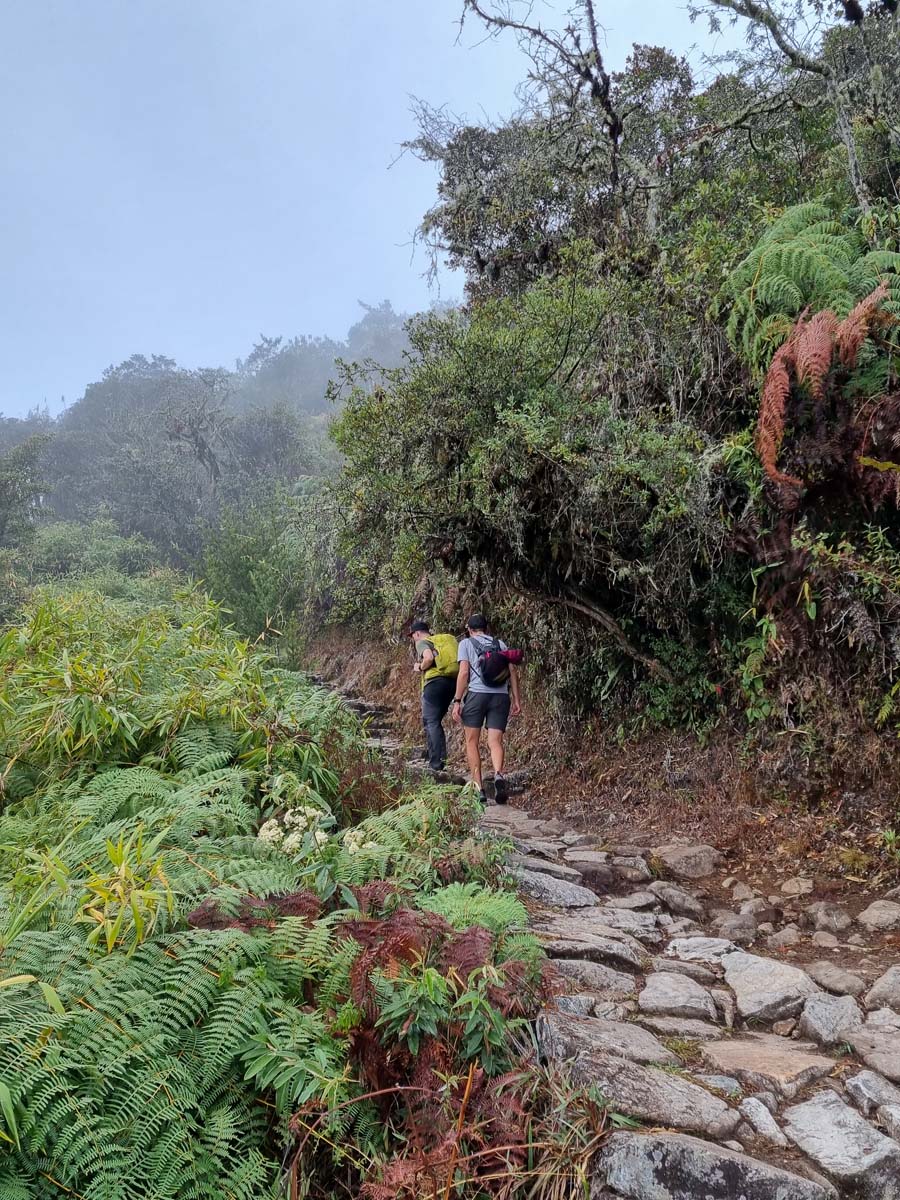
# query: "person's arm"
{"type": "Point", "coordinates": [462, 683]}
{"type": "Point", "coordinates": [514, 688]}
{"type": "Point", "coordinates": [426, 659]}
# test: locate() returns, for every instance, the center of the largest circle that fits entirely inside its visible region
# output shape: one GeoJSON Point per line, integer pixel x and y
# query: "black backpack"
{"type": "Point", "coordinates": [494, 662]}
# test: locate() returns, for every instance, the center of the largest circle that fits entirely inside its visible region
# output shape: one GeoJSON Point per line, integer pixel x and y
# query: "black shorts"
{"type": "Point", "coordinates": [486, 708]}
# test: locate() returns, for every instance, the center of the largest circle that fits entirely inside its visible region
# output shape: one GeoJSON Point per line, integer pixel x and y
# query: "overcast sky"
{"type": "Point", "coordinates": [183, 175]}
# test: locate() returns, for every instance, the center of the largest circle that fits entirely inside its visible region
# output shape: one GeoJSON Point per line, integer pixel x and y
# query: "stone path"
{"type": "Point", "coordinates": [752, 1077]}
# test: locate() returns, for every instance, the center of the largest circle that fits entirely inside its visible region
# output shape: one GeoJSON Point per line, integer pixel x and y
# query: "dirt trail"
{"type": "Point", "coordinates": [748, 1020]}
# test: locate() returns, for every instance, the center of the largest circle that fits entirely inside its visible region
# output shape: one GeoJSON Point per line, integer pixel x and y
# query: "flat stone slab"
{"type": "Point", "coordinates": [654, 1095]}
{"type": "Point", "coordinates": [766, 1062]}
{"type": "Point", "coordinates": [700, 949]}
{"type": "Point", "coordinates": [557, 892]}
{"type": "Point", "coordinates": [693, 970]}
{"type": "Point", "coordinates": [765, 989]}
{"type": "Point", "coordinates": [667, 994]}
{"type": "Point", "coordinates": [885, 991]}
{"type": "Point", "coordinates": [562, 1036]}
{"type": "Point", "coordinates": [671, 1166]}
{"type": "Point", "coordinates": [828, 1020]}
{"type": "Point", "coordinates": [869, 1092]}
{"type": "Point", "coordinates": [641, 925]}
{"type": "Point", "coordinates": [846, 1146]}
{"type": "Point", "coordinates": [594, 866]}
{"type": "Point", "coordinates": [531, 862]}
{"type": "Point", "coordinates": [879, 1049]}
{"type": "Point", "coordinates": [683, 1028]}
{"type": "Point", "coordinates": [567, 937]}
{"type": "Point", "coordinates": [835, 979]}
{"type": "Point", "coordinates": [636, 902]}
{"type": "Point", "coordinates": [677, 900]}
{"type": "Point", "coordinates": [688, 862]}
{"type": "Point", "coordinates": [720, 1083]}
{"type": "Point", "coordinates": [595, 977]}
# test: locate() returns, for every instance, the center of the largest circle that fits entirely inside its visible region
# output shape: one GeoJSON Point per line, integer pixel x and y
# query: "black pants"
{"type": "Point", "coordinates": [436, 697]}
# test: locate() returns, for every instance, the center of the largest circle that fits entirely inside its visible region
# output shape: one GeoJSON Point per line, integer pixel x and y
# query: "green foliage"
{"type": "Point", "coordinates": [810, 258]}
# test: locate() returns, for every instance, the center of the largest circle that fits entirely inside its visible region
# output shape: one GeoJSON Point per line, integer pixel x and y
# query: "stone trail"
{"type": "Point", "coordinates": [755, 1078]}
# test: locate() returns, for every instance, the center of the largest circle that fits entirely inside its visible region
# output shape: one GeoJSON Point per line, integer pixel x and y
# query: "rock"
{"type": "Point", "coordinates": [594, 867]}
{"type": "Point", "coordinates": [640, 925]}
{"type": "Point", "coordinates": [677, 900]}
{"type": "Point", "coordinates": [741, 891]}
{"type": "Point", "coordinates": [845, 1146]}
{"type": "Point", "coordinates": [740, 928]}
{"type": "Point", "coordinates": [572, 838]}
{"type": "Point", "coordinates": [856, 939]}
{"type": "Point", "coordinates": [784, 1028]}
{"type": "Point", "coordinates": [531, 862]}
{"type": "Point", "coordinates": [650, 1094]}
{"type": "Point", "coordinates": [879, 1049]}
{"type": "Point", "coordinates": [578, 1004]}
{"type": "Point", "coordinates": [763, 1122]}
{"type": "Point", "coordinates": [829, 1019]}
{"type": "Point", "coordinates": [834, 978]}
{"type": "Point", "coordinates": [765, 1062]}
{"type": "Point", "coordinates": [766, 989]}
{"type": "Point", "coordinates": [613, 985]}
{"type": "Point", "coordinates": [683, 1028]}
{"type": "Point", "coordinates": [556, 892]}
{"type": "Point", "coordinates": [798, 886]}
{"type": "Point", "coordinates": [882, 915]}
{"type": "Point", "coordinates": [769, 1099]}
{"type": "Point", "coordinates": [720, 1083]}
{"type": "Point", "coordinates": [889, 1120]}
{"type": "Point", "coordinates": [766, 927]}
{"type": "Point", "coordinates": [667, 1166]}
{"type": "Point", "coordinates": [636, 901]}
{"type": "Point", "coordinates": [729, 881]}
{"type": "Point", "coordinates": [688, 862]}
{"type": "Point", "coordinates": [789, 936]}
{"type": "Point", "coordinates": [631, 869]}
{"type": "Point", "coordinates": [564, 936]}
{"type": "Point", "coordinates": [700, 949]}
{"type": "Point", "coordinates": [764, 912]}
{"type": "Point", "coordinates": [869, 1091]}
{"type": "Point", "coordinates": [692, 970]}
{"type": "Point", "coordinates": [669, 994]}
{"type": "Point", "coordinates": [725, 1006]}
{"type": "Point", "coordinates": [883, 1018]}
{"type": "Point", "coordinates": [829, 917]}
{"type": "Point", "coordinates": [885, 991]}
{"type": "Point", "coordinates": [827, 941]}
{"type": "Point", "coordinates": [678, 927]}
{"type": "Point", "coordinates": [562, 1037]}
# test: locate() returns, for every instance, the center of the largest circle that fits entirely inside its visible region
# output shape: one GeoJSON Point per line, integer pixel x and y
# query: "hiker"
{"type": "Point", "coordinates": [486, 678]}
{"type": "Point", "coordinates": [436, 662]}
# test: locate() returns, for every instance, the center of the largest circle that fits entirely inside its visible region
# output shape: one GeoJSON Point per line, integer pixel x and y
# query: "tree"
{"type": "Point", "coordinates": [20, 490]}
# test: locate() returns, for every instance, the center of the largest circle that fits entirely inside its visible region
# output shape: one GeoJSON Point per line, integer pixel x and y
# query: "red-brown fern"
{"type": "Point", "coordinates": [855, 328]}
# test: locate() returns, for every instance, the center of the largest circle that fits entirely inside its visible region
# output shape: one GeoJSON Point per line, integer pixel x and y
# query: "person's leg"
{"type": "Point", "coordinates": [434, 708]}
{"type": "Point", "coordinates": [473, 715]}
{"type": "Point", "coordinates": [497, 719]}
{"type": "Point", "coordinates": [473, 755]}
{"type": "Point", "coordinates": [495, 745]}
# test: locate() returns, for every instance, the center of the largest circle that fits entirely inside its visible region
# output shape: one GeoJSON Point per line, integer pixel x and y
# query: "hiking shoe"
{"type": "Point", "coordinates": [483, 798]}
{"type": "Point", "coordinates": [501, 791]}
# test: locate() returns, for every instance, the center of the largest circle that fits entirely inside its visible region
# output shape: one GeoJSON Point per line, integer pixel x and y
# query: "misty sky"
{"type": "Point", "coordinates": [183, 175]}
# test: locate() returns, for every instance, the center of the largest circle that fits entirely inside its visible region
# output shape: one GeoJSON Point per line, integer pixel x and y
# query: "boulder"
{"type": "Point", "coordinates": [700, 949]}
{"type": "Point", "coordinates": [577, 1004]}
{"type": "Point", "coordinates": [531, 862]}
{"type": "Point", "coordinates": [883, 1018]}
{"type": "Point", "coordinates": [564, 936]}
{"type": "Point", "coordinates": [835, 979]}
{"type": "Point", "coordinates": [657, 1096]}
{"type": "Point", "coordinates": [880, 916]}
{"type": "Point", "coordinates": [829, 1020]}
{"type": "Point", "coordinates": [869, 1092]}
{"type": "Point", "coordinates": [677, 900]}
{"type": "Point", "coordinates": [669, 994]}
{"type": "Point", "coordinates": [789, 936]}
{"type": "Point", "coordinates": [765, 1062]}
{"type": "Point", "coordinates": [688, 862]}
{"type": "Point", "coordinates": [889, 1119]}
{"type": "Point", "coordinates": [631, 868]}
{"type": "Point", "coordinates": [605, 981]}
{"type": "Point", "coordinates": [667, 1166]}
{"type": "Point", "coordinates": [845, 1146]}
{"type": "Point", "coordinates": [826, 941]}
{"type": "Point", "coordinates": [885, 991]}
{"type": "Point", "coordinates": [829, 917]}
{"type": "Point", "coordinates": [741, 892]}
{"type": "Point", "coordinates": [561, 1037]}
{"type": "Point", "coordinates": [764, 988]}
{"type": "Point", "coordinates": [879, 1049]}
{"type": "Point", "coordinates": [756, 1113]}
{"type": "Point", "coordinates": [556, 892]}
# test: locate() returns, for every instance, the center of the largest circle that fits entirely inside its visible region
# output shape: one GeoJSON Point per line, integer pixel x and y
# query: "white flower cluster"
{"type": "Point", "coordinates": [354, 841]}
{"type": "Point", "coordinates": [297, 823]}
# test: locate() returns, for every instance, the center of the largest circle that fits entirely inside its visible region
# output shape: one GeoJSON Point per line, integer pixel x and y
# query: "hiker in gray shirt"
{"type": "Point", "coordinates": [478, 703]}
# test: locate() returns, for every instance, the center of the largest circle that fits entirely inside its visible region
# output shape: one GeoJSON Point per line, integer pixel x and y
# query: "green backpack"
{"type": "Point", "coordinates": [446, 647]}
